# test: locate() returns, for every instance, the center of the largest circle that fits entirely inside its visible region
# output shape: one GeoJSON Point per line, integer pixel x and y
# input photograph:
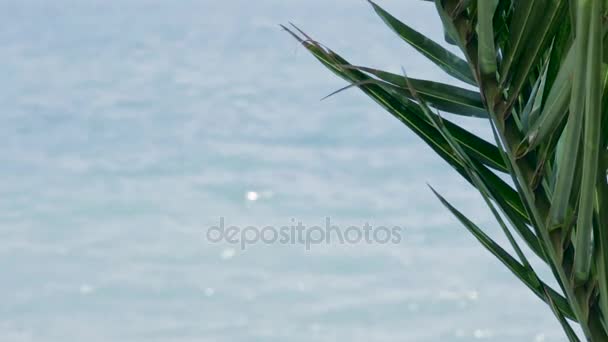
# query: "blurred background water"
{"type": "Point", "coordinates": [129, 127]}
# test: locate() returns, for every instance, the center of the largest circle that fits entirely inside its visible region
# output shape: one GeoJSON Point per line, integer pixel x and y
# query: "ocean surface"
{"type": "Point", "coordinates": [130, 127]}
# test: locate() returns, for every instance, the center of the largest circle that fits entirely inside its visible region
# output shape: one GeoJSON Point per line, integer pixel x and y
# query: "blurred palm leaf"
{"type": "Point", "coordinates": [538, 66]}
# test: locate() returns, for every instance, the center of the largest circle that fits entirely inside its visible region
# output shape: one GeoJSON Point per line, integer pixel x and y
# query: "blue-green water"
{"type": "Point", "coordinates": [129, 127]}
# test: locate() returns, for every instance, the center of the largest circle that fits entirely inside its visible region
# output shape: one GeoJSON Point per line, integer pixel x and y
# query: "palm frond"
{"type": "Point", "coordinates": [542, 85]}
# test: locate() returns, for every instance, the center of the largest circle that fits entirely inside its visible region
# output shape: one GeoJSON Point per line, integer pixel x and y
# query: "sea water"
{"type": "Point", "coordinates": [131, 127]}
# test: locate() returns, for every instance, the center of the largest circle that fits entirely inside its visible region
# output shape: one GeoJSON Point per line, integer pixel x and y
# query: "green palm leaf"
{"type": "Point", "coordinates": [446, 60]}
{"type": "Point", "coordinates": [542, 85]}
